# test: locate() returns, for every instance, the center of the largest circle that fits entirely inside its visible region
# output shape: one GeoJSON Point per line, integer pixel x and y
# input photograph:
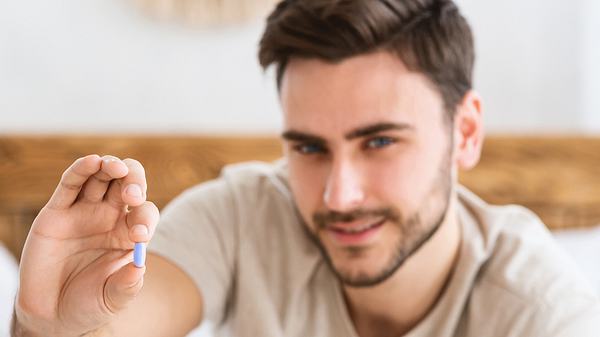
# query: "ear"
{"type": "Point", "coordinates": [468, 131]}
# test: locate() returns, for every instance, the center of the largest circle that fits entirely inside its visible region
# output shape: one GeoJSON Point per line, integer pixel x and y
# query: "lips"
{"type": "Point", "coordinates": [355, 233]}
{"type": "Point", "coordinates": [355, 229]}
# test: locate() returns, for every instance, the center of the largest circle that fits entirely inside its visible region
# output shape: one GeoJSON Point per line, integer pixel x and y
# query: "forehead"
{"type": "Point", "coordinates": [364, 89]}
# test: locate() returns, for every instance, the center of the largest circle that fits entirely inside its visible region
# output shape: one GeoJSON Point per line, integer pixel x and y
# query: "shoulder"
{"type": "Point", "coordinates": [239, 185]}
{"type": "Point", "coordinates": [524, 269]}
{"type": "Point", "coordinates": [258, 179]}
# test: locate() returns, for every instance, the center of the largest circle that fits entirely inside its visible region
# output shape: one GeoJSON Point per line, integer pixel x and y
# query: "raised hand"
{"type": "Point", "coordinates": [76, 266]}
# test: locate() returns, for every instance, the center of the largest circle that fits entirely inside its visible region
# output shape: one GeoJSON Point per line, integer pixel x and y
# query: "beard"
{"type": "Point", "coordinates": [415, 230]}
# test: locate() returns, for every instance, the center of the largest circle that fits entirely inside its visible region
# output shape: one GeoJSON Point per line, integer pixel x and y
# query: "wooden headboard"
{"type": "Point", "coordinates": [556, 177]}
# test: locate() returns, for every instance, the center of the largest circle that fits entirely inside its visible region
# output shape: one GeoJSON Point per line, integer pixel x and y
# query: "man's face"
{"type": "Point", "coordinates": [369, 155]}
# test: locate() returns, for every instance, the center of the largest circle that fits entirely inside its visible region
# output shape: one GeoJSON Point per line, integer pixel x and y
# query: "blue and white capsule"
{"type": "Point", "coordinates": [139, 254]}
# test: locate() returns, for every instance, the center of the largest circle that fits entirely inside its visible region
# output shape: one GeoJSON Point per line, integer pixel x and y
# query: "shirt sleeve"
{"type": "Point", "coordinates": [197, 232]}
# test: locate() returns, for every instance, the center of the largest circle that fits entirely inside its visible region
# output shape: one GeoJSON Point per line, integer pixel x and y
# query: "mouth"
{"type": "Point", "coordinates": [355, 234]}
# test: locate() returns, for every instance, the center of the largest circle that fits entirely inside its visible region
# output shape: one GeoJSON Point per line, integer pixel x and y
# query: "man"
{"type": "Point", "coordinates": [361, 230]}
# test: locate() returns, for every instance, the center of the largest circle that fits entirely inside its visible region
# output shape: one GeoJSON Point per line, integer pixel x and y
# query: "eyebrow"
{"type": "Point", "coordinates": [376, 128]}
{"type": "Point", "coordinates": [301, 137]}
{"type": "Point", "coordinates": [364, 131]}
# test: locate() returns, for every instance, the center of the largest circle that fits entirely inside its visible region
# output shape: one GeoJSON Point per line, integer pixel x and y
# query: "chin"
{"type": "Point", "coordinates": [360, 268]}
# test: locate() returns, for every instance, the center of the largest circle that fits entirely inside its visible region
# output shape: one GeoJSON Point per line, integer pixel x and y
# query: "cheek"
{"type": "Point", "coordinates": [404, 179]}
{"type": "Point", "coordinates": [307, 187]}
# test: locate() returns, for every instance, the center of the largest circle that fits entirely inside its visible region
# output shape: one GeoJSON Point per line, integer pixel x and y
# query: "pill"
{"type": "Point", "coordinates": [139, 254]}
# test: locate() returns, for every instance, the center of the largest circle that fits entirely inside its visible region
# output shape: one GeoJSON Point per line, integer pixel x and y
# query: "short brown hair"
{"type": "Point", "coordinates": [429, 36]}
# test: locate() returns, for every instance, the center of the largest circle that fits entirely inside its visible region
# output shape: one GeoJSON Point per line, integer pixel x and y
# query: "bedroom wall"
{"type": "Point", "coordinates": [101, 66]}
{"type": "Point", "coordinates": [590, 66]}
{"type": "Point", "coordinates": [528, 67]}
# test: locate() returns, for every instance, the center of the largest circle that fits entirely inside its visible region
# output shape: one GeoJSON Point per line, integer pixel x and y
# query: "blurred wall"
{"type": "Point", "coordinates": [590, 65]}
{"type": "Point", "coordinates": [101, 66]}
{"type": "Point", "coordinates": [528, 65]}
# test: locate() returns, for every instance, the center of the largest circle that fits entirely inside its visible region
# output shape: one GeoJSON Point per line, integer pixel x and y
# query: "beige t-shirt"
{"type": "Point", "coordinates": [240, 239]}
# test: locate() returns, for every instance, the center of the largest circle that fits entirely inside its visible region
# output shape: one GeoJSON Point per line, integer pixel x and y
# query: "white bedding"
{"type": "Point", "coordinates": [8, 285]}
{"type": "Point", "coordinates": [584, 246]}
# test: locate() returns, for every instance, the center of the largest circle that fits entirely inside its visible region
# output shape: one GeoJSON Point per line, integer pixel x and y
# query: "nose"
{"type": "Point", "coordinates": [343, 191]}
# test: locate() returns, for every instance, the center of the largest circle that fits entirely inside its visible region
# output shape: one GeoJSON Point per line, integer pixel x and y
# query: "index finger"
{"type": "Point", "coordinates": [72, 181]}
{"type": "Point", "coordinates": [131, 189]}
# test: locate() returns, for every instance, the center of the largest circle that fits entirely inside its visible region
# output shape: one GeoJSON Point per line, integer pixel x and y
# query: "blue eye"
{"type": "Point", "coordinates": [379, 142]}
{"type": "Point", "coordinates": [309, 148]}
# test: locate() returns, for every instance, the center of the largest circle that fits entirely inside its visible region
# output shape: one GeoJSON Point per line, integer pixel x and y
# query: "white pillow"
{"type": "Point", "coordinates": [8, 288]}
{"type": "Point", "coordinates": [584, 246]}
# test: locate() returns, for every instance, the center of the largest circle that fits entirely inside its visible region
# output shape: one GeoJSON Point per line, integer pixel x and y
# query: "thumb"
{"type": "Point", "coordinates": [123, 286]}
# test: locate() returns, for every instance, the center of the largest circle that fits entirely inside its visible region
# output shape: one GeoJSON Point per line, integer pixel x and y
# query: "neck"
{"type": "Point", "coordinates": [395, 306]}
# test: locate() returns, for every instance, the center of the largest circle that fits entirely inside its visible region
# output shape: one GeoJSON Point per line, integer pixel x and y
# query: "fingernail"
{"type": "Point", "coordinates": [109, 159]}
{"type": "Point", "coordinates": [140, 230]}
{"type": "Point", "coordinates": [134, 190]}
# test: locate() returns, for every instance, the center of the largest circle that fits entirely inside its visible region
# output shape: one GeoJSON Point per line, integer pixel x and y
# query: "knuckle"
{"type": "Point", "coordinates": [71, 187]}
{"type": "Point", "coordinates": [149, 209]}
{"type": "Point", "coordinates": [76, 163]}
{"type": "Point", "coordinates": [132, 161]}
{"type": "Point", "coordinates": [147, 213]}
{"type": "Point", "coordinates": [152, 206]}
{"type": "Point", "coordinates": [101, 177]}
{"type": "Point", "coordinates": [135, 166]}
{"type": "Point", "coordinates": [155, 213]}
